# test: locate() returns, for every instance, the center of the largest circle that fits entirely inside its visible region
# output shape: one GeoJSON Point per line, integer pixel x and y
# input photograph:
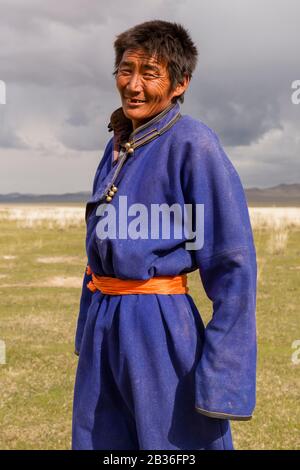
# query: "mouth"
{"type": "Point", "coordinates": [134, 101]}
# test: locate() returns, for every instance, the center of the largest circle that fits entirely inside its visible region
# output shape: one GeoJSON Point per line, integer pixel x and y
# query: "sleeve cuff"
{"type": "Point", "coordinates": [216, 414]}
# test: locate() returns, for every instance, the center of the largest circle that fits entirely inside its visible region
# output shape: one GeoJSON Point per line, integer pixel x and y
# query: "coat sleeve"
{"type": "Point", "coordinates": [85, 301]}
{"type": "Point", "coordinates": [86, 294]}
{"type": "Point", "coordinates": [226, 373]}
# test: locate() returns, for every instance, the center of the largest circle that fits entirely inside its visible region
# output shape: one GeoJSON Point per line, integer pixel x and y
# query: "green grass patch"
{"type": "Point", "coordinates": [38, 326]}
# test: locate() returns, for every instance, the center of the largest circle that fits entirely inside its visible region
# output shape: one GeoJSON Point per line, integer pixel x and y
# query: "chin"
{"type": "Point", "coordinates": [125, 111]}
{"type": "Point", "coordinates": [131, 113]}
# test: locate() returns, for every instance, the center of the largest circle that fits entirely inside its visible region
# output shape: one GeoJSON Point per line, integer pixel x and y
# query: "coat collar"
{"type": "Point", "coordinates": [122, 128]}
{"type": "Point", "coordinates": [124, 133]}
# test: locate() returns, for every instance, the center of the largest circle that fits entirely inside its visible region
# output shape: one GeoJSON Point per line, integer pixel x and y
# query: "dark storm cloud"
{"type": "Point", "coordinates": [57, 61]}
{"type": "Point", "coordinates": [239, 113]}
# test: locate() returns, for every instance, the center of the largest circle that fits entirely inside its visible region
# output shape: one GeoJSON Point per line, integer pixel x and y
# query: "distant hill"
{"type": "Point", "coordinates": [283, 194]}
{"type": "Point", "coordinates": [38, 198]}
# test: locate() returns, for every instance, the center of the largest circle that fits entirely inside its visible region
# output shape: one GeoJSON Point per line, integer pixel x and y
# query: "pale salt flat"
{"type": "Point", "coordinates": [65, 216]}
{"type": "Point", "coordinates": [274, 217]}
{"type": "Point", "coordinates": [51, 216]}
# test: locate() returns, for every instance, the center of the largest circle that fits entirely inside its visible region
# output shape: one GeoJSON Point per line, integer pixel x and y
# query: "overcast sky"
{"type": "Point", "coordinates": [56, 58]}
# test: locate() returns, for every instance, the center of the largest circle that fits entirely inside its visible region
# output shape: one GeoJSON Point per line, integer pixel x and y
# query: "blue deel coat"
{"type": "Point", "coordinates": [150, 375]}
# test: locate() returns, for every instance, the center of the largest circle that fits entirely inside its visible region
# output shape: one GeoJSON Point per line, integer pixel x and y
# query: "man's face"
{"type": "Point", "coordinates": [141, 77]}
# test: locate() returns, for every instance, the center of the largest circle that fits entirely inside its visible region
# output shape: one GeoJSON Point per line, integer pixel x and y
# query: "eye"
{"type": "Point", "coordinates": [124, 71]}
{"type": "Point", "coordinates": [151, 75]}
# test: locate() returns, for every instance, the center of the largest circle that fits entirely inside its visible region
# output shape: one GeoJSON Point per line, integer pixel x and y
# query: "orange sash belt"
{"type": "Point", "coordinates": [155, 285]}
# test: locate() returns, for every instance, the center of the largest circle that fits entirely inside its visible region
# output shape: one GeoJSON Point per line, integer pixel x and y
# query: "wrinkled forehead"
{"type": "Point", "coordinates": [141, 57]}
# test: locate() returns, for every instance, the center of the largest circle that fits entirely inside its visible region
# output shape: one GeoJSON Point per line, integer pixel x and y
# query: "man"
{"type": "Point", "coordinates": [150, 376]}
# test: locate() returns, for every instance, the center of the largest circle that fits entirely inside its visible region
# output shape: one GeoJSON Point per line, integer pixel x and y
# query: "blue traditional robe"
{"type": "Point", "coordinates": [150, 375]}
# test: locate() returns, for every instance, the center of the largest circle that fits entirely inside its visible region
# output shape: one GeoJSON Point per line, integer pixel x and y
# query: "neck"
{"type": "Point", "coordinates": [137, 124]}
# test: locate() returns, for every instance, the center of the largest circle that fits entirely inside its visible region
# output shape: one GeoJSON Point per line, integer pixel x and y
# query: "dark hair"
{"type": "Point", "coordinates": [169, 42]}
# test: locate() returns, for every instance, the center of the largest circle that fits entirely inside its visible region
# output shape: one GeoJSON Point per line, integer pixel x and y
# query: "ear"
{"type": "Point", "coordinates": [181, 87]}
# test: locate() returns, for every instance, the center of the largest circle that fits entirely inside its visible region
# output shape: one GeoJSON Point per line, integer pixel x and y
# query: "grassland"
{"type": "Point", "coordinates": [41, 265]}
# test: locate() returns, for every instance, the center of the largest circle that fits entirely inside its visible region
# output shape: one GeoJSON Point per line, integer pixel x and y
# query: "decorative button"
{"type": "Point", "coordinates": [111, 193]}
{"type": "Point", "coordinates": [130, 150]}
{"type": "Point", "coordinates": [114, 188]}
{"type": "Point", "coordinates": [127, 146]}
{"type": "Point", "coordinates": [108, 198]}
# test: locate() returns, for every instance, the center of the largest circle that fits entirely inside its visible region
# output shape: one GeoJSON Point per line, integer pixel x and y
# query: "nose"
{"type": "Point", "coordinates": [134, 83]}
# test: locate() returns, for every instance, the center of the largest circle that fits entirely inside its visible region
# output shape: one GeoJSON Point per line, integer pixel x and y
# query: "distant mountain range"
{"type": "Point", "coordinates": [37, 198]}
{"type": "Point", "coordinates": [283, 194]}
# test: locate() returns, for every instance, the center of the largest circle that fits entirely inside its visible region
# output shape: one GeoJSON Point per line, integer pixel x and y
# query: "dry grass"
{"type": "Point", "coordinates": [278, 240]}
{"type": "Point", "coordinates": [41, 271]}
{"type": "Point", "coordinates": [277, 222]}
{"type": "Point", "coordinates": [59, 259]}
